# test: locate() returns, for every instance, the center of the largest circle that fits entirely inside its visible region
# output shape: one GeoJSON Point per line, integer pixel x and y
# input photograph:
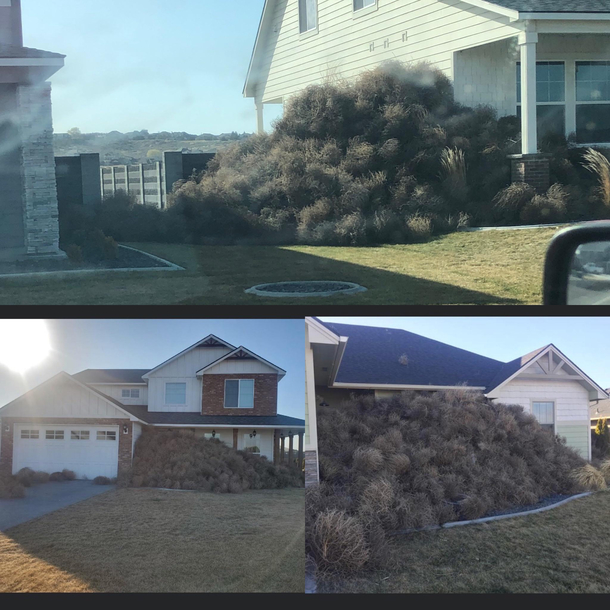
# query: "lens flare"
{"type": "Point", "coordinates": [24, 344]}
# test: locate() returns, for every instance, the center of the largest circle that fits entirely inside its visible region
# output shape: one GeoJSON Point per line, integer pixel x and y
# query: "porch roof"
{"type": "Point", "coordinates": [8, 51]}
{"type": "Point", "coordinates": [555, 6]}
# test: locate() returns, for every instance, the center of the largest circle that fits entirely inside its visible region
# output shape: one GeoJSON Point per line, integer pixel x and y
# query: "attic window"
{"type": "Point", "coordinates": [308, 15]}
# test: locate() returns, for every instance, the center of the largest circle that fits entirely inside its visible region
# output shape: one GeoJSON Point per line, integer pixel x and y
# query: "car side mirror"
{"type": "Point", "coordinates": [577, 266]}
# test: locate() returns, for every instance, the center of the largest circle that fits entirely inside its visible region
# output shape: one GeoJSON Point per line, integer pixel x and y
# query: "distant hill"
{"type": "Point", "coordinates": [116, 148]}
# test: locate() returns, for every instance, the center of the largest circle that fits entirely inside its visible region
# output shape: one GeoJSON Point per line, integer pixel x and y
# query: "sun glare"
{"type": "Point", "coordinates": [23, 344]}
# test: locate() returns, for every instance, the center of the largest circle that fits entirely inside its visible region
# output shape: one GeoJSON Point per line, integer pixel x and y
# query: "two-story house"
{"type": "Point", "coordinates": [89, 422]}
{"type": "Point", "coordinates": [346, 359]}
{"type": "Point", "coordinates": [28, 191]}
{"type": "Point", "coordinates": [547, 61]}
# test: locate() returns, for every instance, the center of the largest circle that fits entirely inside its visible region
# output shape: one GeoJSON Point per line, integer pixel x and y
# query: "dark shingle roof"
{"type": "Point", "coordinates": [556, 6]}
{"type": "Point", "coordinates": [111, 376]}
{"type": "Point", "coordinates": [14, 52]}
{"type": "Point", "coordinates": [373, 356]}
{"type": "Point", "coordinates": [195, 419]}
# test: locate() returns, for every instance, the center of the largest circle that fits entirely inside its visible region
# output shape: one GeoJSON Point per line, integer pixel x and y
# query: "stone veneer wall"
{"type": "Point", "coordinates": [41, 216]}
{"type": "Point", "coordinates": [311, 468]}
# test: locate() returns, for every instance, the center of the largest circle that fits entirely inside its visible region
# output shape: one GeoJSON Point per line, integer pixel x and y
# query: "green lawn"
{"type": "Point", "coordinates": [491, 267]}
{"type": "Point", "coordinates": [143, 540]}
{"type": "Point", "coordinates": [565, 550]}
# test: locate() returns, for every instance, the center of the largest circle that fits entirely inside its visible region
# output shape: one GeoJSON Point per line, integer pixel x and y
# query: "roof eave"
{"type": "Point", "coordinates": [249, 88]}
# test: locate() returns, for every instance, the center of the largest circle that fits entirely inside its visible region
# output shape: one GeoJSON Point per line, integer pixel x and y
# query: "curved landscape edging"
{"type": "Point", "coordinates": [258, 290]}
{"type": "Point", "coordinates": [494, 518]}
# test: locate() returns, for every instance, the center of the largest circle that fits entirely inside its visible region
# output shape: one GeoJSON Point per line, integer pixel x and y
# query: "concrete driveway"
{"type": "Point", "coordinates": [44, 499]}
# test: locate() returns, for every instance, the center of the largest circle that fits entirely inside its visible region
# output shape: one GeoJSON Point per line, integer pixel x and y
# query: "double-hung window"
{"type": "Point", "coordinates": [308, 15]}
{"type": "Point", "coordinates": [239, 393]}
{"type": "Point", "coordinates": [175, 393]}
{"type": "Point", "coordinates": [593, 101]}
{"type": "Point", "coordinates": [544, 412]}
{"type": "Point", "coordinates": [133, 393]}
{"type": "Point", "coordinates": [550, 97]}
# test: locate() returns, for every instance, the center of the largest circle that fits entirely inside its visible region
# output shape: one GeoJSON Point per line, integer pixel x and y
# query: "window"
{"type": "Point", "coordinates": [130, 393]}
{"type": "Point", "coordinates": [30, 434]}
{"type": "Point", "coordinates": [308, 15]}
{"type": "Point", "coordinates": [106, 435]}
{"type": "Point", "coordinates": [593, 101]}
{"type": "Point", "coordinates": [175, 393]}
{"type": "Point", "coordinates": [544, 412]}
{"type": "Point", "coordinates": [54, 435]}
{"type": "Point", "coordinates": [252, 444]}
{"type": "Point", "coordinates": [358, 4]}
{"type": "Point", "coordinates": [550, 97]}
{"type": "Point", "coordinates": [79, 435]}
{"type": "Point", "coordinates": [239, 394]}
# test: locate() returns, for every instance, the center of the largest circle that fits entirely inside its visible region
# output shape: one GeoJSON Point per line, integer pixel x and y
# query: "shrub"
{"type": "Point", "coordinates": [590, 478]}
{"type": "Point", "coordinates": [509, 203]}
{"type": "Point", "coordinates": [57, 477]}
{"type": "Point", "coordinates": [40, 477]}
{"type": "Point", "coordinates": [598, 164]}
{"type": "Point", "coordinates": [414, 460]}
{"type": "Point", "coordinates": [174, 459]}
{"type": "Point", "coordinates": [605, 470]}
{"type": "Point", "coordinates": [11, 488]}
{"type": "Point", "coordinates": [102, 481]}
{"type": "Point", "coordinates": [25, 477]}
{"type": "Point", "coordinates": [69, 475]}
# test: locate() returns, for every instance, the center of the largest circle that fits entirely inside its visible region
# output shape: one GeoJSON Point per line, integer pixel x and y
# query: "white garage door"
{"type": "Point", "coordinates": [89, 451]}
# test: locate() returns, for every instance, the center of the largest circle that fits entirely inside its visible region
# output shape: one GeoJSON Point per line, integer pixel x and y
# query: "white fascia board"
{"type": "Point", "coordinates": [551, 348]}
{"type": "Point", "coordinates": [327, 335]}
{"type": "Point", "coordinates": [494, 8]}
{"type": "Point", "coordinates": [113, 383]}
{"type": "Point", "coordinates": [378, 386]}
{"type": "Point", "coordinates": [566, 16]}
{"type": "Point", "coordinates": [188, 349]}
{"type": "Point", "coordinates": [259, 36]}
{"type": "Point", "coordinates": [24, 62]}
{"type": "Point", "coordinates": [266, 427]}
{"type": "Point", "coordinates": [338, 359]}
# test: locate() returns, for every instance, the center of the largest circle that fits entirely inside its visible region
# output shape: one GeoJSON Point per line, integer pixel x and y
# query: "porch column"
{"type": "Point", "coordinates": [300, 454]}
{"type": "Point", "coordinates": [276, 446]}
{"type": "Point", "coordinates": [282, 449]}
{"type": "Point", "coordinates": [260, 118]}
{"type": "Point", "coordinates": [235, 433]}
{"type": "Point", "coordinates": [291, 449]}
{"type": "Point", "coordinates": [529, 130]}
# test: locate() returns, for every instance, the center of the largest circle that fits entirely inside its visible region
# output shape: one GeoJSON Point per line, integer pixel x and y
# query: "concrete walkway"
{"type": "Point", "coordinates": [44, 499]}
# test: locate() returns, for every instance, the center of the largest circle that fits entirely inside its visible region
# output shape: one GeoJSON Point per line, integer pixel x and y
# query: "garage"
{"type": "Point", "coordinates": [89, 451]}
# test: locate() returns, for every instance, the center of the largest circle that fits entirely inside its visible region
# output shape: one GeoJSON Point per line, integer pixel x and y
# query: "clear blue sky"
{"type": "Point", "coordinates": [583, 340]}
{"type": "Point", "coordinates": [161, 65]}
{"type": "Point", "coordinates": [115, 344]}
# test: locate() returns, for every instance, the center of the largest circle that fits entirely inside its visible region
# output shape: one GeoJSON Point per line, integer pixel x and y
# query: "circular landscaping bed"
{"type": "Point", "coordinates": [305, 289]}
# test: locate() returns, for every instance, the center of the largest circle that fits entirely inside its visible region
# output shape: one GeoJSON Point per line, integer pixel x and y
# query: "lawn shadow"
{"type": "Point", "coordinates": [234, 270]}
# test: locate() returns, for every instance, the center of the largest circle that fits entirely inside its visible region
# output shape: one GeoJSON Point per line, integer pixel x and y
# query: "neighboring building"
{"type": "Point", "coordinates": [28, 201]}
{"type": "Point", "coordinates": [347, 359]}
{"type": "Point", "coordinates": [600, 409]}
{"type": "Point", "coordinates": [90, 422]}
{"type": "Point", "coordinates": [549, 58]}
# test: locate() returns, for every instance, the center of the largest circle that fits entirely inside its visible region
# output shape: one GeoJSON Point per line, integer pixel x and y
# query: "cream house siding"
{"type": "Point", "coordinates": [182, 370]}
{"type": "Point", "coordinates": [63, 400]}
{"type": "Point", "coordinates": [264, 439]}
{"type": "Point", "coordinates": [577, 436]}
{"type": "Point", "coordinates": [571, 404]}
{"type": "Point", "coordinates": [347, 44]}
{"type": "Point", "coordinates": [116, 391]}
{"type": "Point", "coordinates": [237, 367]}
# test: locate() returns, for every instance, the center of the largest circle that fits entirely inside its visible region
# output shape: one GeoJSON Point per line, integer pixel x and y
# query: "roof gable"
{"type": "Point", "coordinates": [111, 376]}
{"type": "Point", "coordinates": [243, 355]}
{"type": "Point", "coordinates": [25, 405]}
{"type": "Point", "coordinates": [209, 342]}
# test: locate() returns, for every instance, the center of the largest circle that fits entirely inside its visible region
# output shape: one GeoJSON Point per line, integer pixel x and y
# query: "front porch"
{"type": "Point", "coordinates": [554, 76]}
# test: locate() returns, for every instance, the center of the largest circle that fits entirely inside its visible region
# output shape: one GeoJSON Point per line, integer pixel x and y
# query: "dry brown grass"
{"type": "Point", "coordinates": [559, 551]}
{"type": "Point", "coordinates": [590, 478]}
{"type": "Point", "coordinates": [605, 470]}
{"type": "Point", "coordinates": [135, 540]}
{"type": "Point", "coordinates": [598, 164]}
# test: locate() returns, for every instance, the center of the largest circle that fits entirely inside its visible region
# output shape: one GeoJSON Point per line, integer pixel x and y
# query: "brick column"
{"type": "Point", "coordinates": [531, 169]}
{"type": "Point", "coordinates": [41, 216]}
{"type": "Point", "coordinates": [125, 447]}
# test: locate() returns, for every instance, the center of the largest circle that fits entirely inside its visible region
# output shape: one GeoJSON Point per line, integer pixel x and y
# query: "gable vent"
{"type": "Point", "coordinates": [241, 355]}
{"type": "Point", "coordinates": [211, 342]}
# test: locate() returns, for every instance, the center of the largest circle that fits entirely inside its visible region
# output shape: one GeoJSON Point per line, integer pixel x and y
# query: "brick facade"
{"type": "Point", "coordinates": [533, 170]}
{"type": "Point", "coordinates": [40, 213]}
{"type": "Point", "coordinates": [265, 395]}
{"type": "Point", "coordinates": [8, 424]}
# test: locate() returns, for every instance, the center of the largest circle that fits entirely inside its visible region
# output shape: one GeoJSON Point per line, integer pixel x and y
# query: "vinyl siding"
{"type": "Point", "coordinates": [239, 367]}
{"type": "Point", "coordinates": [115, 391]}
{"type": "Point", "coordinates": [347, 44]}
{"type": "Point", "coordinates": [577, 436]}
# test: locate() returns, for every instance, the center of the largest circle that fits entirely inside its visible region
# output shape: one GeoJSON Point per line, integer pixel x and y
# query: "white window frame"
{"type": "Point", "coordinates": [106, 435]}
{"type": "Point", "coordinates": [129, 393]}
{"type": "Point", "coordinates": [587, 103]}
{"type": "Point", "coordinates": [239, 393]}
{"type": "Point", "coordinates": [311, 31]}
{"type": "Point", "coordinates": [55, 433]}
{"type": "Point", "coordinates": [177, 404]}
{"type": "Point", "coordinates": [547, 400]}
{"type": "Point", "coordinates": [365, 10]}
